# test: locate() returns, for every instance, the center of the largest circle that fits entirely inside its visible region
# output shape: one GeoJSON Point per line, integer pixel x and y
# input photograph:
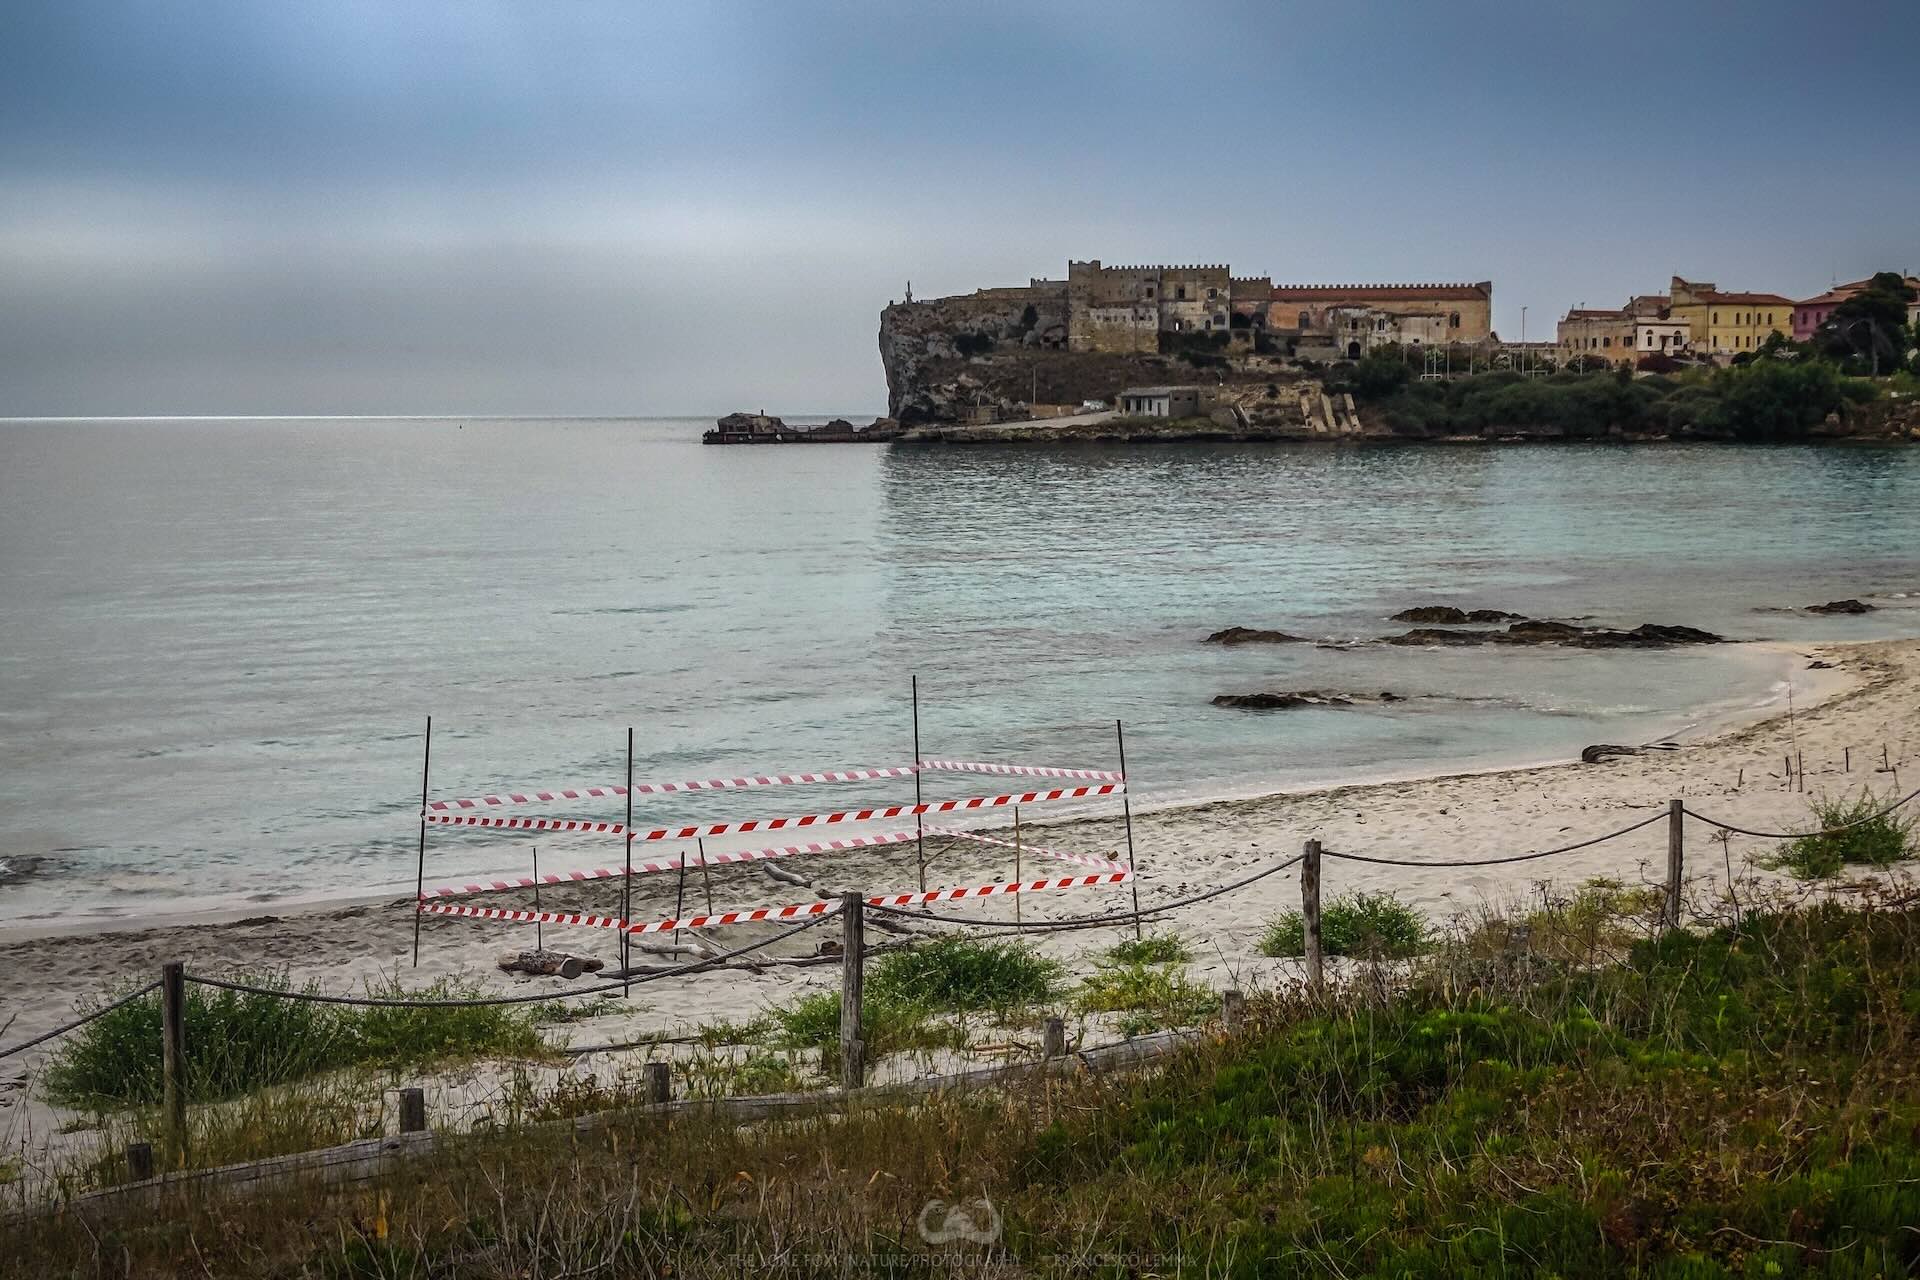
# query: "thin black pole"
{"type": "Point", "coordinates": [626, 885]}
{"type": "Point", "coordinates": [919, 831]}
{"type": "Point", "coordinates": [420, 873]}
{"type": "Point", "coordinates": [1126, 810]}
{"type": "Point", "coordinates": [706, 877]}
{"type": "Point", "coordinates": [680, 894]}
{"type": "Point", "coordinates": [539, 930]}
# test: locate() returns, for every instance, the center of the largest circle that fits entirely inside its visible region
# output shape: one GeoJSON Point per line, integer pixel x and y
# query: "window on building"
{"type": "Point", "coordinates": [1212, 294]}
{"type": "Point", "coordinates": [1769, 317]}
{"type": "Point", "coordinates": [1305, 318]}
{"type": "Point", "coordinates": [1716, 317]}
{"type": "Point", "coordinates": [1149, 291]}
{"type": "Point", "coordinates": [1180, 294]}
{"type": "Point", "coordinates": [1453, 321]}
{"type": "Point", "coordinates": [1606, 342]}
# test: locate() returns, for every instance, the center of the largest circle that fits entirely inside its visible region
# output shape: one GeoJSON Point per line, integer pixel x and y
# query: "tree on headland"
{"type": "Point", "coordinates": [1868, 332]}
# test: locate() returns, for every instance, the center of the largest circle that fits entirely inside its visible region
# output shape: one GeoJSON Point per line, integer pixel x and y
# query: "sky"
{"type": "Point", "coordinates": [307, 207]}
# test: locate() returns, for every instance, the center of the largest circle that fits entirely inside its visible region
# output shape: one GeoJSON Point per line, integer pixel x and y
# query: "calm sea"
{"type": "Point", "coordinates": [219, 640]}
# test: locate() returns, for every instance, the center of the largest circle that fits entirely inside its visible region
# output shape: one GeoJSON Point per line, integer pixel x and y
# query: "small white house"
{"type": "Point", "coordinates": [1162, 402]}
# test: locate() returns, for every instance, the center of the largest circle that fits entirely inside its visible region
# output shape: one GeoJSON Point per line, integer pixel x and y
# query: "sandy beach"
{"type": "Point", "coordinates": [1843, 718]}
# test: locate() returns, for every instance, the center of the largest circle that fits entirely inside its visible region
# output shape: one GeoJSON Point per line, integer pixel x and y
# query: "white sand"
{"type": "Point", "coordinates": [1870, 700]}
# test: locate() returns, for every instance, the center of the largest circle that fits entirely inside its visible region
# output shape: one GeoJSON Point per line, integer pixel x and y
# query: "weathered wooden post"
{"type": "Point", "coordinates": [1676, 858]}
{"type": "Point", "coordinates": [853, 1048]}
{"type": "Point", "coordinates": [1310, 917]}
{"type": "Point", "coordinates": [173, 1059]}
{"type": "Point", "coordinates": [1233, 1008]}
{"type": "Point", "coordinates": [413, 1110]}
{"type": "Point", "coordinates": [1054, 1043]}
{"type": "Point", "coordinates": [659, 1083]}
{"type": "Point", "coordinates": [139, 1161]}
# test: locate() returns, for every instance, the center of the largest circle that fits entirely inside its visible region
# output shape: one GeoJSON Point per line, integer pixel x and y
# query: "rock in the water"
{"type": "Point", "coordinates": [1252, 635]}
{"type": "Point", "coordinates": [1294, 698]}
{"type": "Point", "coordinates": [1606, 751]}
{"type": "Point", "coordinates": [1446, 613]}
{"type": "Point", "coordinates": [1819, 665]}
{"type": "Point", "coordinates": [1648, 635]}
{"type": "Point", "coordinates": [1841, 606]}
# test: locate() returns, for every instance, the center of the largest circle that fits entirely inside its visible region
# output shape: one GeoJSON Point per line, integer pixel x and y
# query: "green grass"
{"type": "Point", "coordinates": [964, 975]}
{"type": "Point", "coordinates": [719, 1075]}
{"type": "Point", "coordinates": [1156, 948]}
{"type": "Point", "coordinates": [240, 1041]}
{"type": "Point", "coordinates": [888, 1026]}
{"type": "Point", "coordinates": [1875, 842]}
{"type": "Point", "coordinates": [1369, 925]}
{"type": "Point", "coordinates": [1149, 997]}
{"type": "Point", "coordinates": [1738, 1102]}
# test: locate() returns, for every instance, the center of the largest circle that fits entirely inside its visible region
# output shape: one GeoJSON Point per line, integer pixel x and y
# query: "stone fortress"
{"type": "Point", "coordinates": [1012, 351]}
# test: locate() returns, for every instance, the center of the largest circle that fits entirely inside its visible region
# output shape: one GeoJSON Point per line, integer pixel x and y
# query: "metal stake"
{"type": "Point", "coordinates": [626, 885]}
{"type": "Point", "coordinates": [1016, 861]}
{"type": "Point", "coordinates": [420, 874]}
{"type": "Point", "coordinates": [706, 877]}
{"type": "Point", "coordinates": [919, 831]}
{"type": "Point", "coordinates": [1126, 811]}
{"type": "Point", "coordinates": [539, 930]}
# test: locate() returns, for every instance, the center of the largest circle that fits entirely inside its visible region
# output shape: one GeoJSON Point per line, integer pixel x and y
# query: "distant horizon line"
{"type": "Point", "coordinates": [396, 417]}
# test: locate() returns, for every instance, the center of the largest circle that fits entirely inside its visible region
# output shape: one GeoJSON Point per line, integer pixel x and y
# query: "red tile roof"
{"type": "Point", "coordinates": [1841, 292]}
{"type": "Point", "coordinates": [1381, 292]}
{"type": "Point", "coordinates": [1745, 299]}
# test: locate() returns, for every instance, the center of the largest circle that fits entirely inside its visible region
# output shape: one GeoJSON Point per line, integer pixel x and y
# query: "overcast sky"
{"type": "Point", "coordinates": [283, 207]}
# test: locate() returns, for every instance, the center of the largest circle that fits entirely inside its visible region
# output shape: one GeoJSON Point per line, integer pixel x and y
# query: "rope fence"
{"type": "Point", "coordinates": [1802, 835]}
{"type": "Point", "coordinates": [855, 905]}
{"type": "Point", "coordinates": [81, 1021]}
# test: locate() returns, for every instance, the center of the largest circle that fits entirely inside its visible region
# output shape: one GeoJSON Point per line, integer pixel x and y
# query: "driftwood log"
{"type": "Point", "coordinates": [549, 963]}
{"type": "Point", "coordinates": [799, 881]}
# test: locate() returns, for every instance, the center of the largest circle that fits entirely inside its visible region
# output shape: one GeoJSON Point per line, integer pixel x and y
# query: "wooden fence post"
{"type": "Point", "coordinates": [659, 1083]}
{"type": "Point", "coordinates": [1676, 858]}
{"type": "Point", "coordinates": [1233, 1008]}
{"type": "Point", "coordinates": [1310, 917]}
{"type": "Point", "coordinates": [853, 1049]}
{"type": "Point", "coordinates": [1055, 1043]}
{"type": "Point", "coordinates": [139, 1161]}
{"type": "Point", "coordinates": [413, 1110]}
{"type": "Point", "coordinates": [173, 1059]}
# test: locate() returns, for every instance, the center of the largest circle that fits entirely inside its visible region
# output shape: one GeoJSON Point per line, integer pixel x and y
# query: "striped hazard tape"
{"type": "Point", "coordinates": [789, 912]}
{"type": "Point", "coordinates": [666, 788]}
{"type": "Point", "coordinates": [1022, 770]}
{"type": "Point", "coordinates": [1085, 860]}
{"type": "Point", "coordinates": [672, 864]}
{"type": "Point", "coordinates": [702, 831]}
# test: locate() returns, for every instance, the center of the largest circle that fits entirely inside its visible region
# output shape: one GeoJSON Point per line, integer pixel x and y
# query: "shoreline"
{"type": "Point", "coordinates": [1708, 719]}
{"type": "Point", "coordinates": [1869, 702]}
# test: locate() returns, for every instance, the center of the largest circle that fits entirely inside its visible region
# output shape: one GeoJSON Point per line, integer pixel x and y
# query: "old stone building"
{"type": "Point", "coordinates": [1127, 309]}
{"type": "Point", "coordinates": [1423, 314]}
{"type": "Point", "coordinates": [1596, 334]}
{"type": "Point", "coordinates": [1722, 323]}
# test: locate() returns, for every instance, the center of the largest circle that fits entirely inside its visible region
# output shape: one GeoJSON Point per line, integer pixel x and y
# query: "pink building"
{"type": "Point", "coordinates": [1808, 316]}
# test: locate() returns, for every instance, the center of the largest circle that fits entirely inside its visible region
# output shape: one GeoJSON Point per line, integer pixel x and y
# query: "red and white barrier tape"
{"type": "Point", "coordinates": [778, 824]}
{"type": "Point", "coordinates": [664, 788]}
{"type": "Point", "coordinates": [1022, 770]}
{"type": "Point", "coordinates": [790, 912]}
{"type": "Point", "coordinates": [674, 864]}
{"type": "Point", "coordinates": [1084, 859]}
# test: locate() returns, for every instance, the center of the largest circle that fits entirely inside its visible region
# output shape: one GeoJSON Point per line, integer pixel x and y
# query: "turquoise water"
{"type": "Point", "coordinates": [220, 639]}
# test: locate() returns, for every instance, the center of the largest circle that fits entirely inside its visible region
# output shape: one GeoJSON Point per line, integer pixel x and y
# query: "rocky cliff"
{"type": "Point", "coordinates": [959, 359]}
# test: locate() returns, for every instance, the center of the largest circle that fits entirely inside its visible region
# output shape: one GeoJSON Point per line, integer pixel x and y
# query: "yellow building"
{"type": "Point", "coordinates": [1725, 324]}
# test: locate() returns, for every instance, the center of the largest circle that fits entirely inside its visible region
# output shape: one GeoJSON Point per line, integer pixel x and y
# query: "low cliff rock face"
{"type": "Point", "coordinates": [951, 360]}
